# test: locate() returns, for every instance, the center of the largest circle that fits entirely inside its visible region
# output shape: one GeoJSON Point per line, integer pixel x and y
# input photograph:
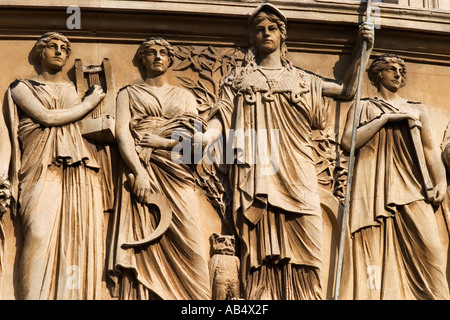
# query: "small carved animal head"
{"type": "Point", "coordinates": [223, 244]}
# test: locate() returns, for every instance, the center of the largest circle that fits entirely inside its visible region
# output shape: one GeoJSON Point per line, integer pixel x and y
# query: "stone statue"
{"type": "Point", "coordinates": [148, 115]}
{"type": "Point", "coordinates": [269, 108]}
{"type": "Point", "coordinates": [396, 249]}
{"type": "Point", "coordinates": [55, 182]}
{"type": "Point", "coordinates": [224, 268]}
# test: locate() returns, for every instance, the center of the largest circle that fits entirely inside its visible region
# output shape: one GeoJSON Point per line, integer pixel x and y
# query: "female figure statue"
{"type": "Point", "coordinates": [56, 186]}
{"type": "Point", "coordinates": [396, 249]}
{"type": "Point", "coordinates": [269, 108]}
{"type": "Point", "coordinates": [148, 114]}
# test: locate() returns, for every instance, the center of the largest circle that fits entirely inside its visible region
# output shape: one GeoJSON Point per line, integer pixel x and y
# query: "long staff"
{"type": "Point", "coordinates": [351, 162]}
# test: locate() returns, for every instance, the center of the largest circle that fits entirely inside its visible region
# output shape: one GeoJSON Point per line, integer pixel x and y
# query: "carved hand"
{"type": "Point", "coordinates": [94, 96]}
{"type": "Point", "coordinates": [139, 185]}
{"type": "Point", "coordinates": [150, 140]}
{"type": "Point", "coordinates": [367, 32]}
{"type": "Point", "coordinates": [439, 193]}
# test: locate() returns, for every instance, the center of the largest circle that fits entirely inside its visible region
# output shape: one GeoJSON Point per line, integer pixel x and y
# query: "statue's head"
{"type": "Point", "coordinates": [155, 55]}
{"type": "Point", "coordinates": [222, 244]}
{"type": "Point", "coordinates": [387, 70]}
{"type": "Point", "coordinates": [51, 50]}
{"type": "Point", "coordinates": [267, 15]}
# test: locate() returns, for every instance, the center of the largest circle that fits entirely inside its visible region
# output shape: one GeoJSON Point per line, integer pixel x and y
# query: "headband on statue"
{"type": "Point", "coordinates": [267, 7]}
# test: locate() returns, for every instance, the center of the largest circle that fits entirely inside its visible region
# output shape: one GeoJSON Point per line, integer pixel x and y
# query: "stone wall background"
{"type": "Point", "coordinates": [320, 39]}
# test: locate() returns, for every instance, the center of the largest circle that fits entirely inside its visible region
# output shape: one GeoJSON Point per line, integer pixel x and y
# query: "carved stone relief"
{"type": "Point", "coordinates": [218, 176]}
{"type": "Point", "coordinates": [395, 237]}
{"type": "Point", "coordinates": [224, 268]}
{"type": "Point", "coordinates": [149, 114]}
{"type": "Point", "coordinates": [55, 180]}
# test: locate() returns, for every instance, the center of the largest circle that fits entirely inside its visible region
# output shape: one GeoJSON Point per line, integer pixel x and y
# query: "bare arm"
{"type": "Point", "coordinates": [125, 142]}
{"type": "Point", "coordinates": [367, 131]}
{"type": "Point", "coordinates": [347, 88]}
{"type": "Point", "coordinates": [55, 117]}
{"type": "Point", "coordinates": [432, 157]}
{"type": "Point", "coordinates": [220, 119]}
{"type": "Point", "coordinates": [151, 140]}
{"type": "Point", "coordinates": [213, 131]}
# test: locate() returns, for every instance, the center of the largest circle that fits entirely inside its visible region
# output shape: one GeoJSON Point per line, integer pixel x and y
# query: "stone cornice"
{"type": "Point", "coordinates": [337, 11]}
{"type": "Point", "coordinates": [317, 26]}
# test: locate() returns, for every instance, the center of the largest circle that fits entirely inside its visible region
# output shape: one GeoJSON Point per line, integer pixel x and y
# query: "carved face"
{"type": "Point", "coordinates": [54, 54]}
{"type": "Point", "coordinates": [267, 38]}
{"type": "Point", "coordinates": [391, 77]}
{"type": "Point", "coordinates": [223, 244]}
{"type": "Point", "coordinates": [157, 60]}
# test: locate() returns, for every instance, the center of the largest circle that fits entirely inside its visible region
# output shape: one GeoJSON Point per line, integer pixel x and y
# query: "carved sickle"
{"type": "Point", "coordinates": [165, 218]}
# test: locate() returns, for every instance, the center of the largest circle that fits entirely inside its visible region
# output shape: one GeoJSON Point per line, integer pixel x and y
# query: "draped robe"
{"type": "Point", "coordinates": [57, 193]}
{"type": "Point", "coordinates": [172, 268]}
{"type": "Point", "coordinates": [395, 248]}
{"type": "Point", "coordinates": [276, 205]}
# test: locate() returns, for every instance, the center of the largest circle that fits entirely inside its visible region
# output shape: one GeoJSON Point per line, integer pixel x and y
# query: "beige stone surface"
{"type": "Point", "coordinates": [320, 39]}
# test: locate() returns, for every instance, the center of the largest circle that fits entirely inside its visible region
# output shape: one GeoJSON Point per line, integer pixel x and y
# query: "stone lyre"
{"type": "Point", "coordinates": [99, 125]}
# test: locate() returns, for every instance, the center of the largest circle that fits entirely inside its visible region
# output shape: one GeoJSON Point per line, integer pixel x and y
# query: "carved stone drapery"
{"type": "Point", "coordinates": [313, 45]}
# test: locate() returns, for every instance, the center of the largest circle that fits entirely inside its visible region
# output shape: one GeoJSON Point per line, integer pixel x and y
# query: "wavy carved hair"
{"type": "Point", "coordinates": [382, 63]}
{"type": "Point", "coordinates": [42, 42]}
{"type": "Point", "coordinates": [151, 41]}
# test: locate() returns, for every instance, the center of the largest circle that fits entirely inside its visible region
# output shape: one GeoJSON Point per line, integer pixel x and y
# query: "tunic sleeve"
{"type": "Point", "coordinates": [319, 104]}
